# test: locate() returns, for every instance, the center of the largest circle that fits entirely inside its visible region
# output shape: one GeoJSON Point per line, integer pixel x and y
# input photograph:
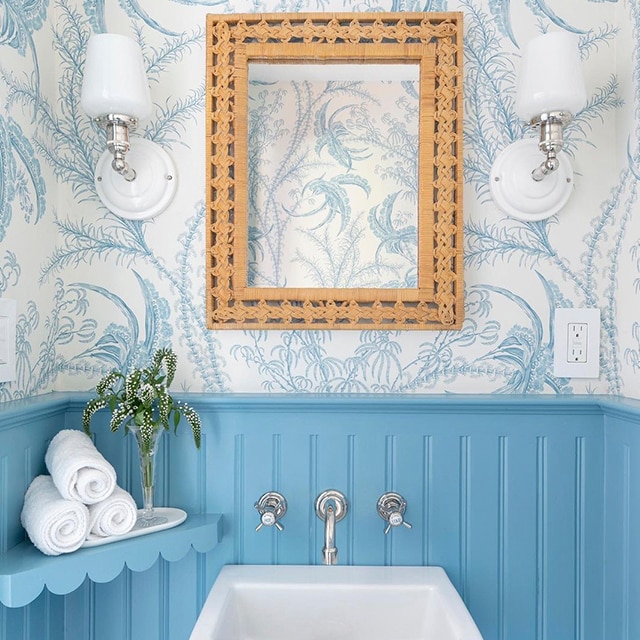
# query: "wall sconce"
{"type": "Point", "coordinates": [135, 179]}
{"type": "Point", "coordinates": [550, 92]}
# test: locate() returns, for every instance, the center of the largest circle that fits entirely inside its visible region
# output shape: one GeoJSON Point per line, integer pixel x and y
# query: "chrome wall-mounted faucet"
{"type": "Point", "coordinates": [391, 508]}
{"type": "Point", "coordinates": [271, 506]}
{"type": "Point", "coordinates": [331, 506]}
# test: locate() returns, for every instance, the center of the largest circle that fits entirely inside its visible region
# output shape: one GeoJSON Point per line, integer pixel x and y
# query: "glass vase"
{"type": "Point", "coordinates": [147, 454]}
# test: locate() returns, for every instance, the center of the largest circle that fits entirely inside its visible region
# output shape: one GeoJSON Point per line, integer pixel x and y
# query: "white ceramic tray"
{"type": "Point", "coordinates": [167, 517]}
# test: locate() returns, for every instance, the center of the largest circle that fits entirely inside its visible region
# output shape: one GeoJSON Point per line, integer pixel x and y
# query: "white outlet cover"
{"type": "Point", "coordinates": [562, 367]}
{"type": "Point", "coordinates": [8, 339]}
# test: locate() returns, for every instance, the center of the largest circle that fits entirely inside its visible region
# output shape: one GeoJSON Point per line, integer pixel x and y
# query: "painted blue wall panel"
{"type": "Point", "coordinates": [485, 522]}
{"type": "Point", "coordinates": [117, 594]}
{"type": "Point", "coordinates": [622, 528]}
{"type": "Point", "coordinates": [472, 480]}
{"type": "Point", "coordinates": [507, 495]}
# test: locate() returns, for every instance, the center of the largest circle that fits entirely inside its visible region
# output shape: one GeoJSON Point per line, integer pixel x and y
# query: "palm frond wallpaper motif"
{"type": "Point", "coordinates": [96, 292]}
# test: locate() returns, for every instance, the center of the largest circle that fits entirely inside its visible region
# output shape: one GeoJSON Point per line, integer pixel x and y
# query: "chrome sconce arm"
{"type": "Point", "coordinates": [117, 127]}
{"type": "Point", "coordinates": [551, 140]}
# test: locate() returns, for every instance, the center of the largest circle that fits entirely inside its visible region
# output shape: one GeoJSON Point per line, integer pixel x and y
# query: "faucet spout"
{"type": "Point", "coordinates": [329, 551]}
{"type": "Point", "coordinates": [331, 506]}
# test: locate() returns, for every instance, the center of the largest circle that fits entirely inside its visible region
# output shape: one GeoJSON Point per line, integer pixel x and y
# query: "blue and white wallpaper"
{"type": "Point", "coordinates": [96, 292]}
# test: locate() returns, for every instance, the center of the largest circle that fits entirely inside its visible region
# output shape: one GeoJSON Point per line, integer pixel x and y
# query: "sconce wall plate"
{"type": "Point", "coordinates": [146, 196]}
{"type": "Point", "coordinates": [515, 192]}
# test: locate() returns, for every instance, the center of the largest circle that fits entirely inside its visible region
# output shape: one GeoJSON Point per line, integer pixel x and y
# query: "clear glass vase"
{"type": "Point", "coordinates": [147, 454]}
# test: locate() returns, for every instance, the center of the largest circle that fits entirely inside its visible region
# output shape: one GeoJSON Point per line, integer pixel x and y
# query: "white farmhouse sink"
{"type": "Point", "coordinates": [257, 602]}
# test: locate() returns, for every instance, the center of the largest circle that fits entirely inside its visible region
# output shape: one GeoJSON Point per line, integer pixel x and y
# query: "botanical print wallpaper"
{"type": "Point", "coordinates": [96, 292]}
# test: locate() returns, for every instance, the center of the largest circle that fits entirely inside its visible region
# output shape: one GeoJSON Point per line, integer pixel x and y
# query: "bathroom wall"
{"type": "Point", "coordinates": [96, 292]}
{"type": "Point", "coordinates": [530, 504]}
{"type": "Point", "coordinates": [622, 524]}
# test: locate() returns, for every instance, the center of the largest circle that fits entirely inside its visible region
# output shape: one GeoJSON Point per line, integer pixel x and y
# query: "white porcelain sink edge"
{"type": "Point", "coordinates": [296, 602]}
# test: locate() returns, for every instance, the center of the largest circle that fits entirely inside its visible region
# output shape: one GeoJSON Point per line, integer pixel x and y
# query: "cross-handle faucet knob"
{"type": "Point", "coordinates": [391, 508]}
{"type": "Point", "coordinates": [271, 506]}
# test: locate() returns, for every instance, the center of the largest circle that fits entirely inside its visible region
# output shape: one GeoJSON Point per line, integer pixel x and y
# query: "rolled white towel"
{"type": "Point", "coordinates": [78, 469]}
{"type": "Point", "coordinates": [53, 524]}
{"type": "Point", "coordinates": [114, 516]}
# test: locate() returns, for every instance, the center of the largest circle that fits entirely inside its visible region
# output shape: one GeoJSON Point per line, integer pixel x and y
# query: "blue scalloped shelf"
{"type": "Point", "coordinates": [25, 571]}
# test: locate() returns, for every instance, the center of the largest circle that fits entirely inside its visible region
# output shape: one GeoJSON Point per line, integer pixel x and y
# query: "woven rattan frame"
{"type": "Point", "coordinates": [432, 39]}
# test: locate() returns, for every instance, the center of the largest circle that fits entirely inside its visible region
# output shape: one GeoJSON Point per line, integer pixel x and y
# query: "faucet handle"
{"type": "Point", "coordinates": [391, 508]}
{"type": "Point", "coordinates": [271, 506]}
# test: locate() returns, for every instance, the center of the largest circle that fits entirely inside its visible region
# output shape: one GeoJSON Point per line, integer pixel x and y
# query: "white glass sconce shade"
{"type": "Point", "coordinates": [135, 179]}
{"type": "Point", "coordinates": [550, 91]}
{"type": "Point", "coordinates": [115, 80]}
{"type": "Point", "coordinates": [550, 77]}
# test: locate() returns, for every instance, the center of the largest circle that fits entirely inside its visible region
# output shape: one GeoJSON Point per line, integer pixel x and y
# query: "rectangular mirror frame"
{"type": "Point", "coordinates": [434, 41]}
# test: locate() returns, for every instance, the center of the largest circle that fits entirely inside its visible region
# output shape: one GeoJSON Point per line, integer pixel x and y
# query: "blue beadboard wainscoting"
{"type": "Point", "coordinates": [531, 504]}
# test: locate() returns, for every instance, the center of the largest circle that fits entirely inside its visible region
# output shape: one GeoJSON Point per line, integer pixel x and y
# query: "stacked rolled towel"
{"type": "Point", "coordinates": [54, 525]}
{"type": "Point", "coordinates": [80, 500]}
{"type": "Point", "coordinates": [78, 469]}
{"type": "Point", "coordinates": [114, 516]}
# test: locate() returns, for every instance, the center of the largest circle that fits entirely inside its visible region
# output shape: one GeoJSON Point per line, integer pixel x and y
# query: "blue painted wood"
{"type": "Point", "coordinates": [471, 471]}
{"type": "Point", "coordinates": [528, 503]}
{"type": "Point", "coordinates": [25, 571]}
{"type": "Point", "coordinates": [622, 526]}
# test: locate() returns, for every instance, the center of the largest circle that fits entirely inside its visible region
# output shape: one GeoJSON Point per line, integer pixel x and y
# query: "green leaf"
{"type": "Point", "coordinates": [142, 398]}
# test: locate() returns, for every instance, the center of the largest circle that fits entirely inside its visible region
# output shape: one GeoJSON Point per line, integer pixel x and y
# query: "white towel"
{"type": "Point", "coordinates": [53, 524]}
{"type": "Point", "coordinates": [78, 469]}
{"type": "Point", "coordinates": [114, 516]}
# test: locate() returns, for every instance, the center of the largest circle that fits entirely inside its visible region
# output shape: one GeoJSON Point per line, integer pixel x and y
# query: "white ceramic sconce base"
{"type": "Point", "coordinates": [152, 190]}
{"type": "Point", "coordinates": [517, 194]}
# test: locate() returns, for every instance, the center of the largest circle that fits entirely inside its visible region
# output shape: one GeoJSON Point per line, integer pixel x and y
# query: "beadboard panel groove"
{"type": "Point", "coordinates": [580, 524]}
{"type": "Point", "coordinates": [465, 508]}
{"type": "Point", "coordinates": [541, 539]}
{"type": "Point", "coordinates": [503, 478]}
{"type": "Point", "coordinates": [622, 527]}
{"type": "Point", "coordinates": [239, 495]}
{"type": "Point", "coordinates": [352, 489]}
{"type": "Point", "coordinates": [626, 537]}
{"type": "Point", "coordinates": [425, 494]}
{"type": "Point", "coordinates": [4, 499]}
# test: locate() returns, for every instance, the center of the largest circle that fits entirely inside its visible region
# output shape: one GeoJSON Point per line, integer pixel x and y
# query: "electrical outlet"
{"type": "Point", "coordinates": [576, 343]}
